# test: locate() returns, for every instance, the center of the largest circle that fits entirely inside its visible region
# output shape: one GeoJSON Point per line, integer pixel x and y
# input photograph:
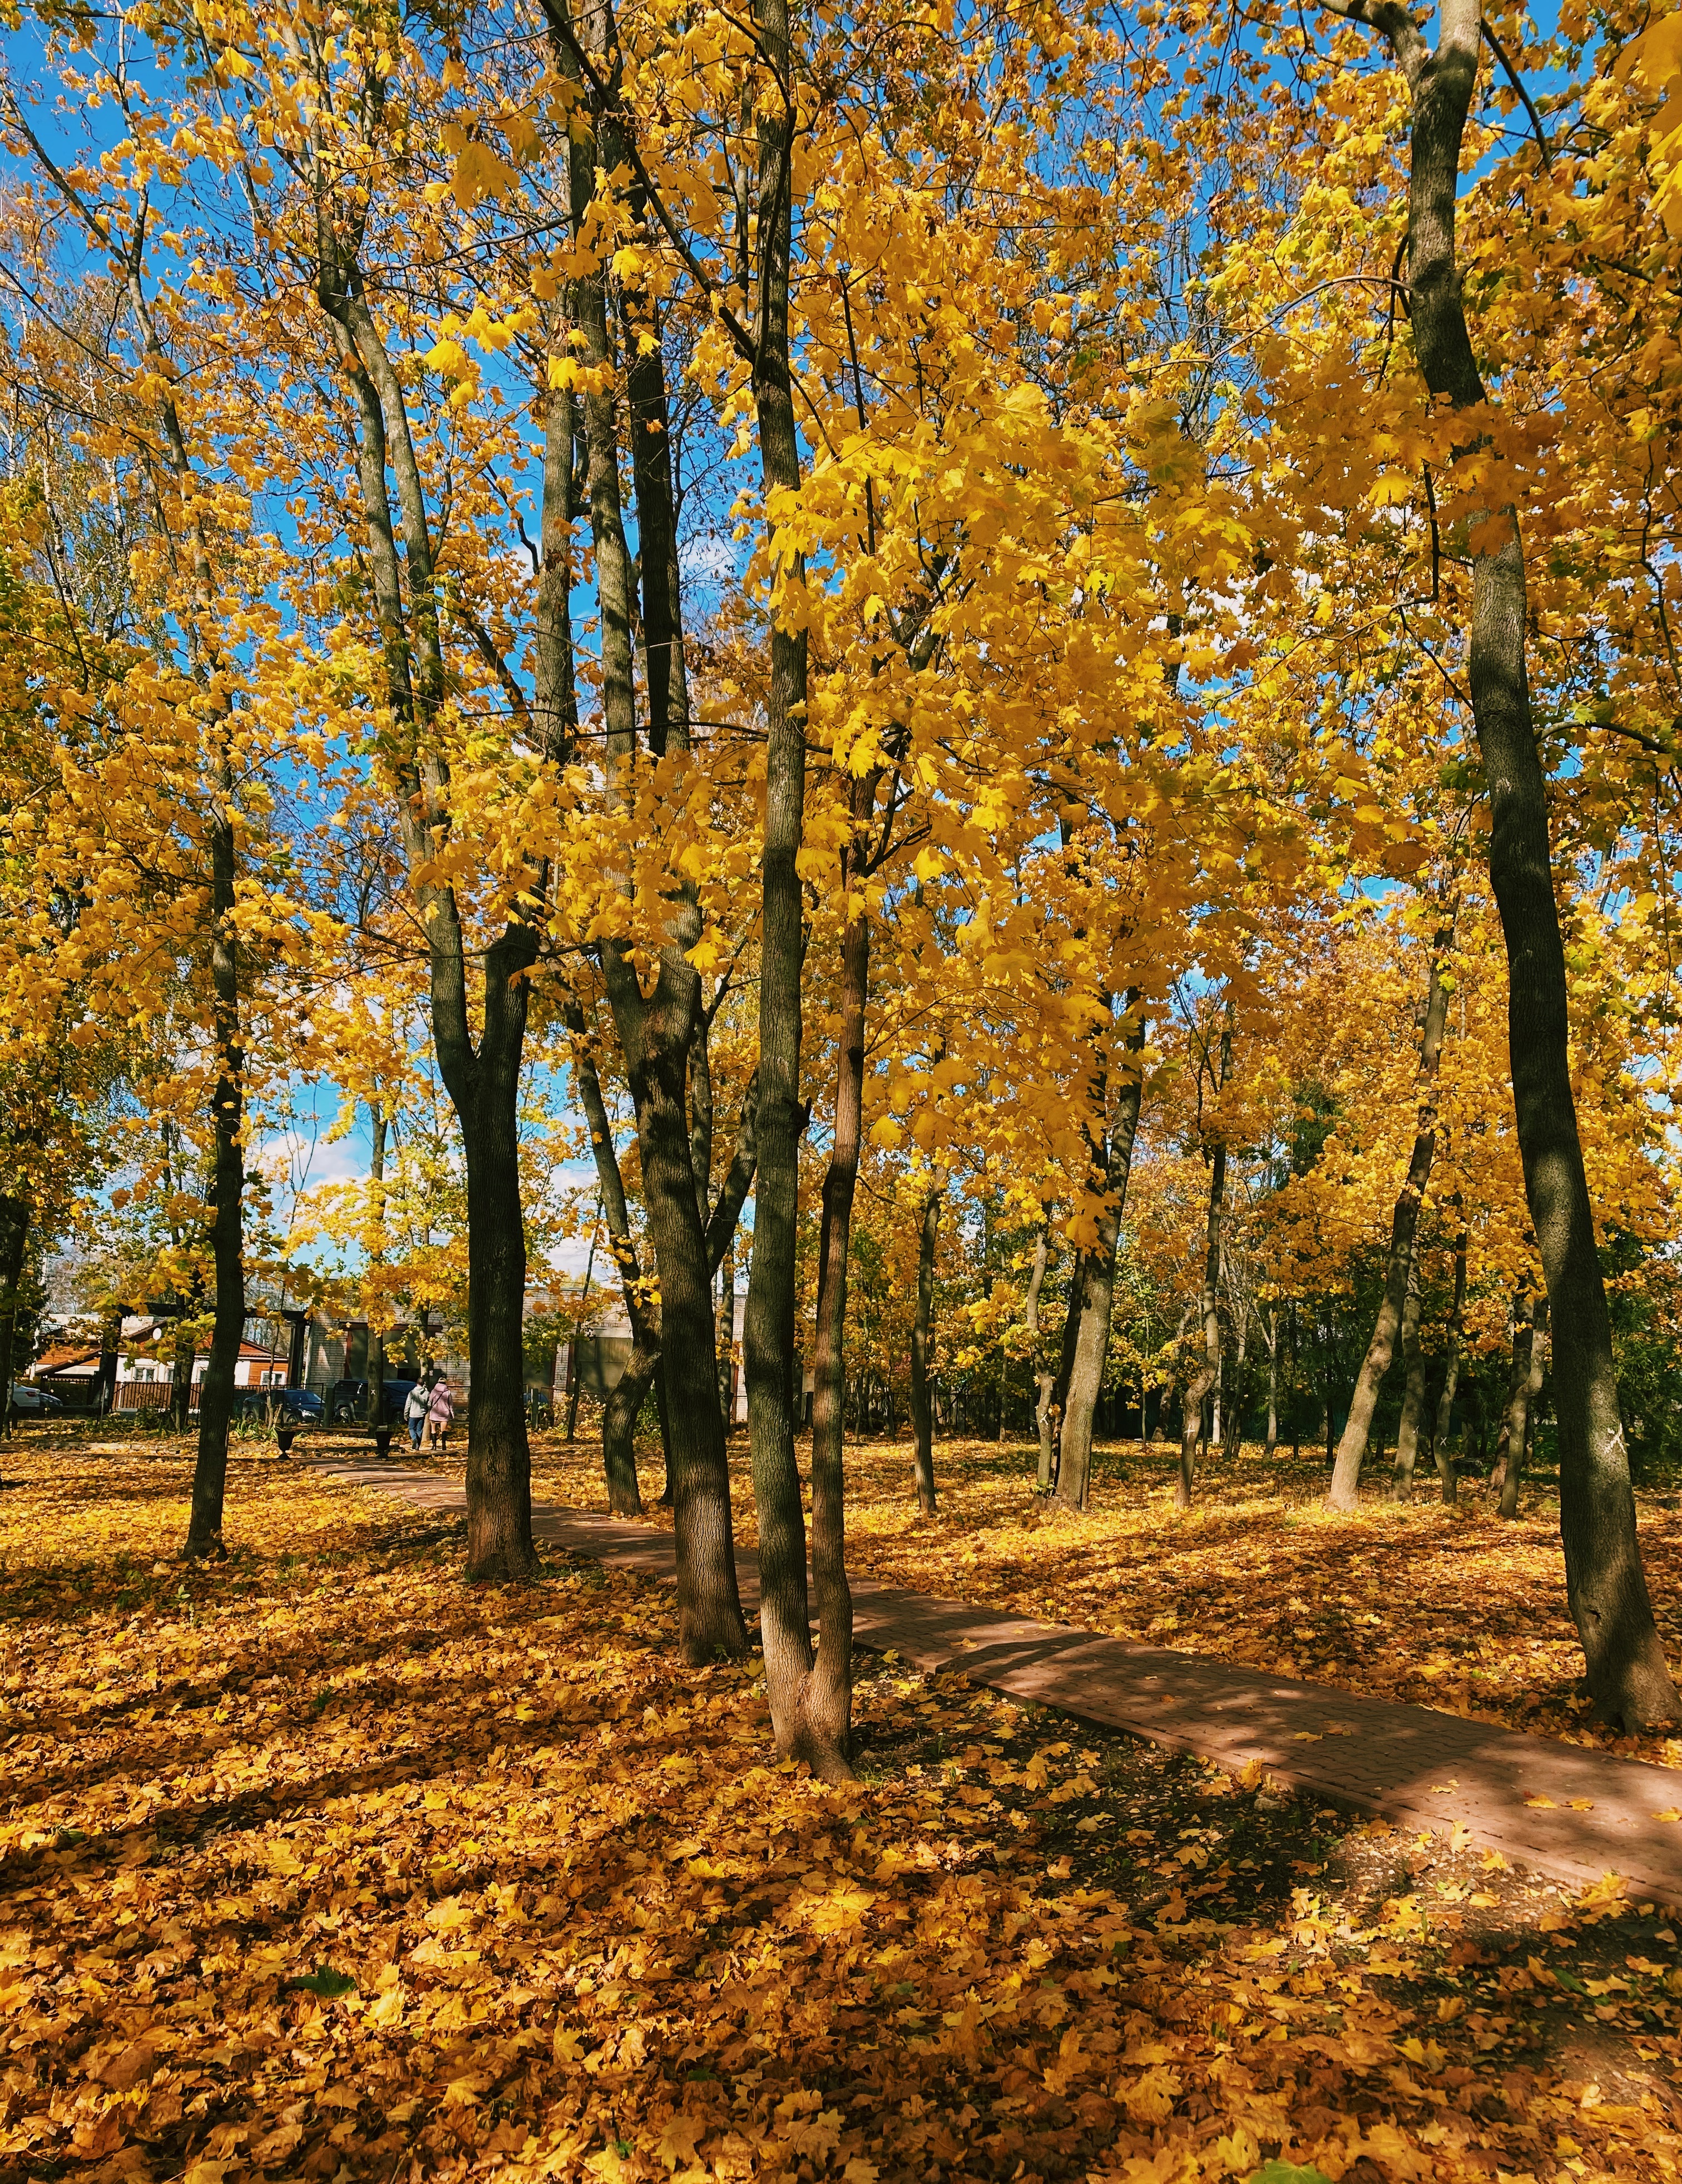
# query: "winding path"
{"type": "Point", "coordinates": [1563, 1810]}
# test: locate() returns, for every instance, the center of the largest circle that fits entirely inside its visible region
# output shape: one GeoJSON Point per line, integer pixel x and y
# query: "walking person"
{"type": "Point", "coordinates": [440, 1410]}
{"type": "Point", "coordinates": [415, 1412]}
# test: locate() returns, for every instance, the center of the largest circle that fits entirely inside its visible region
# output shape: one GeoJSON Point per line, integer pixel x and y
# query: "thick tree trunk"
{"type": "Point", "coordinates": [1414, 1391]}
{"type": "Point", "coordinates": [486, 1095]}
{"type": "Point", "coordinates": [827, 1702]}
{"type": "Point", "coordinates": [1199, 1385]}
{"type": "Point", "coordinates": [1092, 1289]}
{"type": "Point", "coordinates": [227, 1239]}
{"type": "Point", "coordinates": [1344, 1492]}
{"type": "Point", "coordinates": [922, 1409]}
{"type": "Point", "coordinates": [1627, 1674]}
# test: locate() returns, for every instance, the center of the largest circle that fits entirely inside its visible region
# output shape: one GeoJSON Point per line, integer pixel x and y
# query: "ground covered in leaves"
{"type": "Point", "coordinates": [322, 1864]}
{"type": "Point", "coordinates": [1445, 1607]}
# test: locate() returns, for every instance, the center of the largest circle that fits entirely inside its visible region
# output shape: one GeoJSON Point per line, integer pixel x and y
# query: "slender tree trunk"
{"type": "Point", "coordinates": [1044, 1383]}
{"type": "Point", "coordinates": [726, 1338]}
{"type": "Point", "coordinates": [1272, 1382]}
{"type": "Point", "coordinates": [784, 1626]}
{"type": "Point", "coordinates": [184, 1358]}
{"type": "Point", "coordinates": [1092, 1290]}
{"type": "Point", "coordinates": [1414, 1391]}
{"type": "Point", "coordinates": [227, 1242]}
{"type": "Point", "coordinates": [922, 1409]}
{"type": "Point", "coordinates": [826, 1704]}
{"type": "Point", "coordinates": [655, 1031]}
{"type": "Point", "coordinates": [1344, 1492]}
{"type": "Point", "coordinates": [575, 1375]}
{"type": "Point", "coordinates": [1199, 1385]}
{"type": "Point", "coordinates": [483, 1081]}
{"type": "Point", "coordinates": [377, 1188]}
{"type": "Point", "coordinates": [14, 1226]}
{"type": "Point", "coordinates": [1231, 1439]}
{"type": "Point", "coordinates": [1447, 1475]}
{"type": "Point", "coordinates": [1627, 1674]}
{"type": "Point", "coordinates": [1521, 1412]}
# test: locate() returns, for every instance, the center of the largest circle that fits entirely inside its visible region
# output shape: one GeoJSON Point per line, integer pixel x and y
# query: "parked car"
{"type": "Point", "coordinates": [298, 1407]}
{"type": "Point", "coordinates": [349, 1401]}
{"type": "Point", "coordinates": [30, 1401]}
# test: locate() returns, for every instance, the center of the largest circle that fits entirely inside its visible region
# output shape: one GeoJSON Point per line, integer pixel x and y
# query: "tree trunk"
{"type": "Point", "coordinates": [1044, 1382]}
{"type": "Point", "coordinates": [923, 1410]}
{"type": "Point", "coordinates": [1273, 1441]}
{"type": "Point", "coordinates": [1198, 1386]}
{"type": "Point", "coordinates": [1520, 1410]}
{"type": "Point", "coordinates": [827, 1702]}
{"type": "Point", "coordinates": [1344, 1492]}
{"type": "Point", "coordinates": [377, 1188]}
{"type": "Point", "coordinates": [227, 1241]}
{"type": "Point", "coordinates": [655, 1030]}
{"type": "Point", "coordinates": [14, 1224]}
{"type": "Point", "coordinates": [1447, 1475]}
{"type": "Point", "coordinates": [575, 1375]}
{"type": "Point", "coordinates": [1605, 1586]}
{"type": "Point", "coordinates": [486, 1097]}
{"type": "Point", "coordinates": [1086, 1346]}
{"type": "Point", "coordinates": [1414, 1391]}
{"type": "Point", "coordinates": [1232, 1439]}
{"type": "Point", "coordinates": [726, 1337]}
{"type": "Point", "coordinates": [482, 1082]}
{"type": "Point", "coordinates": [784, 1625]}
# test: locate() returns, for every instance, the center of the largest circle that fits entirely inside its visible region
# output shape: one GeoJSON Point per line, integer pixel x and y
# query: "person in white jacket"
{"type": "Point", "coordinates": [415, 1414]}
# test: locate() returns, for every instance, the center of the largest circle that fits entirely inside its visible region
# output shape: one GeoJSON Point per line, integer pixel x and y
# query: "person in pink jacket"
{"type": "Point", "coordinates": [440, 1411]}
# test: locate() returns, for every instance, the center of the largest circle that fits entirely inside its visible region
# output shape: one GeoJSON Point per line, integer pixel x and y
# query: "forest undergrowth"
{"type": "Point", "coordinates": [323, 1863]}
{"type": "Point", "coordinates": [1447, 1608]}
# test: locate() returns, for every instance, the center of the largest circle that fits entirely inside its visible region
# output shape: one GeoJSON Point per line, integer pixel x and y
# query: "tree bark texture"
{"type": "Point", "coordinates": [1606, 1584]}
{"type": "Point", "coordinates": [923, 1407]}
{"type": "Point", "coordinates": [1344, 1492]}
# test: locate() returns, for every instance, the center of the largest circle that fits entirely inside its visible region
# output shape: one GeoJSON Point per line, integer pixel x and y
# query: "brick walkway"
{"type": "Point", "coordinates": [1410, 1764]}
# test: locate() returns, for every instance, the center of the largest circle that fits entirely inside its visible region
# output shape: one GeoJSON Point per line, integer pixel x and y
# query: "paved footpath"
{"type": "Point", "coordinates": [1409, 1764]}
